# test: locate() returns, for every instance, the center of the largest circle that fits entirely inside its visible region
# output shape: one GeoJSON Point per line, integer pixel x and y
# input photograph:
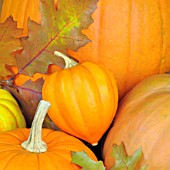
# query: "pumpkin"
{"type": "Point", "coordinates": [39, 148]}
{"type": "Point", "coordinates": [143, 120]}
{"type": "Point", "coordinates": [131, 38]}
{"type": "Point", "coordinates": [83, 99]}
{"type": "Point", "coordinates": [10, 114]}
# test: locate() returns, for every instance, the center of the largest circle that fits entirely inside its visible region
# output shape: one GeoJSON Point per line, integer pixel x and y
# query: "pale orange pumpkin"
{"type": "Point", "coordinates": [83, 97]}
{"type": "Point", "coordinates": [131, 38]}
{"type": "Point", "coordinates": [143, 120]}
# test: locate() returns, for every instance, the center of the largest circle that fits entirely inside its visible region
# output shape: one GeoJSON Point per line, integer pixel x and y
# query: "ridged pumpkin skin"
{"type": "Point", "coordinates": [10, 114]}
{"type": "Point", "coordinates": [131, 38]}
{"type": "Point", "coordinates": [83, 100]}
{"type": "Point", "coordinates": [58, 156]}
{"type": "Point", "coordinates": [143, 119]}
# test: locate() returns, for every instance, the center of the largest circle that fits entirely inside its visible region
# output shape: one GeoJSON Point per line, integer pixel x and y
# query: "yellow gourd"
{"type": "Point", "coordinates": [10, 114]}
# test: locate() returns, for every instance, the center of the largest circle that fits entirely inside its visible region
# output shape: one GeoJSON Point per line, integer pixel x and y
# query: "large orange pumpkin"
{"type": "Point", "coordinates": [20, 151]}
{"type": "Point", "coordinates": [143, 120]}
{"type": "Point", "coordinates": [83, 99]}
{"type": "Point", "coordinates": [131, 38]}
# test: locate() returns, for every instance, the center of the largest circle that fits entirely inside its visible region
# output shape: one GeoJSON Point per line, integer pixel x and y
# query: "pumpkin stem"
{"type": "Point", "coordinates": [68, 61]}
{"type": "Point", "coordinates": [34, 142]}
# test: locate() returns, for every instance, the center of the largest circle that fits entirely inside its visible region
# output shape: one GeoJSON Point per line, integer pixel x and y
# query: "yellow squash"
{"type": "Point", "coordinates": [10, 114]}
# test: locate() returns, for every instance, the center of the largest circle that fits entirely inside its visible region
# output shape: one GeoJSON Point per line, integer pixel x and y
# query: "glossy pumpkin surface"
{"type": "Point", "coordinates": [143, 120]}
{"type": "Point", "coordinates": [83, 100]}
{"type": "Point", "coordinates": [131, 38]}
{"type": "Point", "coordinates": [10, 114]}
{"type": "Point", "coordinates": [57, 156]}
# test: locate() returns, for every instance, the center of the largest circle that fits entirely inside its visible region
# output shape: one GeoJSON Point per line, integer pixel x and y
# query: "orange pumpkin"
{"type": "Point", "coordinates": [83, 99]}
{"type": "Point", "coordinates": [131, 38]}
{"type": "Point", "coordinates": [143, 120]}
{"type": "Point", "coordinates": [52, 151]}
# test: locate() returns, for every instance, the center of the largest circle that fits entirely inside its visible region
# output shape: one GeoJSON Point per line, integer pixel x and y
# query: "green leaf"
{"type": "Point", "coordinates": [60, 30]}
{"type": "Point", "coordinates": [123, 161]}
{"type": "Point", "coordinates": [83, 160]}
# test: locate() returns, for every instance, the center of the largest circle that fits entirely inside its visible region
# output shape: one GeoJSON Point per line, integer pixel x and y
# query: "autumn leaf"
{"type": "Point", "coordinates": [1, 5]}
{"type": "Point", "coordinates": [8, 44]}
{"type": "Point", "coordinates": [27, 92]}
{"type": "Point", "coordinates": [20, 79]}
{"type": "Point", "coordinates": [83, 160]}
{"type": "Point", "coordinates": [28, 96]}
{"type": "Point", "coordinates": [60, 30]}
{"type": "Point", "coordinates": [21, 11]}
{"type": "Point", "coordinates": [123, 161]}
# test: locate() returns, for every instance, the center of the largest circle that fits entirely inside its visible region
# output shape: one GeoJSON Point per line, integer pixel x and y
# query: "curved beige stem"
{"type": "Point", "coordinates": [34, 142]}
{"type": "Point", "coordinates": [68, 61]}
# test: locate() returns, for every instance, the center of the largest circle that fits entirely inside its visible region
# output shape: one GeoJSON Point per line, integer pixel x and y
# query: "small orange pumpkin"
{"type": "Point", "coordinates": [23, 152]}
{"type": "Point", "coordinates": [83, 97]}
{"type": "Point", "coordinates": [143, 120]}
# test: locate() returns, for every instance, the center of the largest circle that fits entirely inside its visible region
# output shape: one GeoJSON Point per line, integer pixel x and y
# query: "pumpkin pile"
{"type": "Point", "coordinates": [115, 97]}
{"type": "Point", "coordinates": [83, 100]}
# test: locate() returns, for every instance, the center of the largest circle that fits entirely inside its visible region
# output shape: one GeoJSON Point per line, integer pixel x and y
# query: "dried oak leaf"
{"type": "Point", "coordinates": [28, 96]}
{"type": "Point", "coordinates": [1, 5]}
{"type": "Point", "coordinates": [21, 10]}
{"type": "Point", "coordinates": [8, 44]}
{"type": "Point", "coordinates": [59, 30]}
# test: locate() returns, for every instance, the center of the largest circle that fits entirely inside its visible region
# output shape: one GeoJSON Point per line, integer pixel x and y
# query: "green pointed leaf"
{"type": "Point", "coordinates": [123, 161]}
{"type": "Point", "coordinates": [83, 160]}
{"type": "Point", "coordinates": [60, 29]}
